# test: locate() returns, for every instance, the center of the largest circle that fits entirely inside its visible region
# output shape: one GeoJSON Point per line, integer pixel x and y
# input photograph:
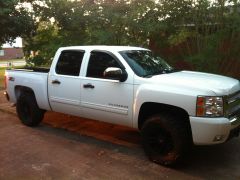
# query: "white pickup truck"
{"type": "Point", "coordinates": [129, 86]}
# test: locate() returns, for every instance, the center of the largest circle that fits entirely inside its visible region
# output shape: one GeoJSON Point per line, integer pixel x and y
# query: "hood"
{"type": "Point", "coordinates": [220, 85]}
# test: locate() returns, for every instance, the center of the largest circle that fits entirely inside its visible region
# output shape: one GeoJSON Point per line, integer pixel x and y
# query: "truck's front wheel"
{"type": "Point", "coordinates": [165, 139]}
{"type": "Point", "coordinates": [28, 111]}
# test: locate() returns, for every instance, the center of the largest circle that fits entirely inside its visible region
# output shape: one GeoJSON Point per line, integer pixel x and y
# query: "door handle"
{"type": "Point", "coordinates": [56, 81]}
{"type": "Point", "coordinates": [88, 86]}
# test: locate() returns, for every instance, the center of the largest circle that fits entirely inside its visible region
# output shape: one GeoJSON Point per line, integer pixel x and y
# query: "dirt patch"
{"type": "Point", "coordinates": [100, 130]}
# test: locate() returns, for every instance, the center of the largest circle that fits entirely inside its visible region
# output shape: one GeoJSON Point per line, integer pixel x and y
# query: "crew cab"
{"type": "Point", "coordinates": [130, 86]}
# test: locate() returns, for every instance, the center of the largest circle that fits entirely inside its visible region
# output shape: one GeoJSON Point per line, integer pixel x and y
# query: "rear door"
{"type": "Point", "coordinates": [106, 99]}
{"type": "Point", "coordinates": [64, 83]}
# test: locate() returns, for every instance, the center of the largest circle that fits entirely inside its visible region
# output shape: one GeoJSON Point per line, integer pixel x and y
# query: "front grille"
{"type": "Point", "coordinates": [233, 105]}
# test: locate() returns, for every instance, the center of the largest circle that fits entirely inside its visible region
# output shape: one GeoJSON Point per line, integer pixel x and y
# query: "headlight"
{"type": "Point", "coordinates": [209, 106]}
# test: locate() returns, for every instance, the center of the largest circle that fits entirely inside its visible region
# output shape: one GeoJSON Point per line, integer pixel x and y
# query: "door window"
{"type": "Point", "coordinates": [99, 62]}
{"type": "Point", "coordinates": [69, 63]}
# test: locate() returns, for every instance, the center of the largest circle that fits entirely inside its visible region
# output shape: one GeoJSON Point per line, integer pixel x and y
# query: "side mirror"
{"type": "Point", "coordinates": [115, 73]}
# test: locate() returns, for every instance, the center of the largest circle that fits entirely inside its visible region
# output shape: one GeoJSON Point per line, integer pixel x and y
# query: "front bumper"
{"type": "Point", "coordinates": [6, 95]}
{"type": "Point", "coordinates": [207, 131]}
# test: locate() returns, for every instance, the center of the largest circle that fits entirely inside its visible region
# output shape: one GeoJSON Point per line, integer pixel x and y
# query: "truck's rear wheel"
{"type": "Point", "coordinates": [165, 139]}
{"type": "Point", "coordinates": [28, 111]}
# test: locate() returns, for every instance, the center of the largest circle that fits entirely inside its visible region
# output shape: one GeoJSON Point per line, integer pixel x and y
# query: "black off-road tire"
{"type": "Point", "coordinates": [28, 111]}
{"type": "Point", "coordinates": [166, 139]}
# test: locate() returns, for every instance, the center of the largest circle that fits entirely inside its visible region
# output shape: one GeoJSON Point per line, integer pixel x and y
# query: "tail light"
{"type": "Point", "coordinates": [5, 81]}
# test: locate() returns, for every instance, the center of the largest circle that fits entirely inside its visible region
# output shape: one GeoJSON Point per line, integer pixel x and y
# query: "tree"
{"type": "Point", "coordinates": [14, 21]}
{"type": "Point", "coordinates": [203, 33]}
{"type": "Point", "coordinates": [44, 44]}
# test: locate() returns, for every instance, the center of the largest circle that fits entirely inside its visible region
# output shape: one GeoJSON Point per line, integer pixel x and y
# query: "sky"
{"type": "Point", "coordinates": [18, 43]}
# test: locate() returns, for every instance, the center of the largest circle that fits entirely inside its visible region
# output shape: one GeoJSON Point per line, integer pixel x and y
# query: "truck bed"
{"type": "Point", "coordinates": [35, 79]}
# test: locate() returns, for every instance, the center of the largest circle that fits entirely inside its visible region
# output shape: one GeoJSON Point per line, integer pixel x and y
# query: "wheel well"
{"type": "Point", "coordinates": [150, 108]}
{"type": "Point", "coordinates": [23, 89]}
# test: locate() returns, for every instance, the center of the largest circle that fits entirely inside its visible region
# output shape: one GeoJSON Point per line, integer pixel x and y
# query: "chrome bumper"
{"type": "Point", "coordinates": [235, 121]}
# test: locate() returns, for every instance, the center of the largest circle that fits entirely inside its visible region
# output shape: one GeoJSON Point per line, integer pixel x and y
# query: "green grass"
{"type": "Point", "coordinates": [2, 71]}
{"type": "Point", "coordinates": [12, 60]}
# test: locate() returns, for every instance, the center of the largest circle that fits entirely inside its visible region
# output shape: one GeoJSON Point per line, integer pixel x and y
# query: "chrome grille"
{"type": "Point", "coordinates": [233, 105]}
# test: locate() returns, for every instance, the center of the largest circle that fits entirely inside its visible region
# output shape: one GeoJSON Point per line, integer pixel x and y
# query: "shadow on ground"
{"type": "Point", "coordinates": [218, 161]}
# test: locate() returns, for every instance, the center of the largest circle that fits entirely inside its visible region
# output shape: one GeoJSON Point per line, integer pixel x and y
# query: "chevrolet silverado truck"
{"type": "Point", "coordinates": [130, 86]}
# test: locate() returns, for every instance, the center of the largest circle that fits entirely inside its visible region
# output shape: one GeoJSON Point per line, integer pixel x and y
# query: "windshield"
{"type": "Point", "coordinates": [144, 64]}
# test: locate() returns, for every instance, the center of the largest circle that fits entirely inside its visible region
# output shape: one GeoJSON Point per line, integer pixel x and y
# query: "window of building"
{"type": "Point", "coordinates": [1, 52]}
{"type": "Point", "coordinates": [69, 63]}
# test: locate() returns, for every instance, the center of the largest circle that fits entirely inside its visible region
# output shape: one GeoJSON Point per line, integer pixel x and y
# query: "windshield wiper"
{"type": "Point", "coordinates": [163, 71]}
{"type": "Point", "coordinates": [148, 76]}
{"type": "Point", "coordinates": [151, 75]}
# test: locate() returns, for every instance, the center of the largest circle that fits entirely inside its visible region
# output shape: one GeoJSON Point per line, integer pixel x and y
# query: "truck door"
{"type": "Point", "coordinates": [64, 83]}
{"type": "Point", "coordinates": [106, 99]}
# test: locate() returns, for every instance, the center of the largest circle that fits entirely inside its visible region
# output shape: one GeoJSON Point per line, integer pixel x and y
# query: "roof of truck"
{"type": "Point", "coordinates": [103, 47]}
